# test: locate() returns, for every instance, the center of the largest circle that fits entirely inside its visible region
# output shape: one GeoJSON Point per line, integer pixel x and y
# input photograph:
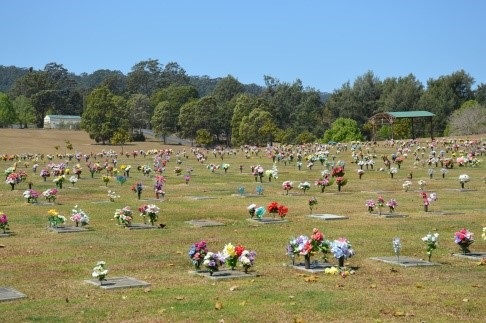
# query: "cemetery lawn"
{"type": "Point", "coordinates": [51, 268]}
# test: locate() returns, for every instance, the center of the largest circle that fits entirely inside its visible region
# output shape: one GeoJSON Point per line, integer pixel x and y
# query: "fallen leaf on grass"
{"type": "Point", "coordinates": [162, 310]}
{"type": "Point", "coordinates": [2, 246]}
{"type": "Point", "coordinates": [310, 279]}
{"type": "Point", "coordinates": [476, 285]}
{"type": "Point", "coordinates": [291, 296]}
{"type": "Point", "coordinates": [233, 288]}
{"type": "Point", "coordinates": [399, 313]}
{"type": "Point", "coordinates": [299, 320]}
{"type": "Point", "coordinates": [180, 298]}
{"type": "Point", "coordinates": [339, 285]}
{"type": "Point", "coordinates": [301, 275]}
{"type": "Point", "coordinates": [482, 262]}
{"type": "Point", "coordinates": [147, 289]}
{"type": "Point", "coordinates": [243, 303]}
{"type": "Point", "coordinates": [218, 305]}
{"type": "Point", "coordinates": [465, 300]}
{"type": "Point", "coordinates": [292, 303]}
{"type": "Point", "coordinates": [170, 265]}
{"type": "Point", "coordinates": [179, 252]}
{"type": "Point", "coordinates": [372, 286]}
{"type": "Point", "coordinates": [419, 286]}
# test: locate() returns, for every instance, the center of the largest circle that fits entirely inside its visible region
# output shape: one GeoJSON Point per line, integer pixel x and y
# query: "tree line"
{"type": "Point", "coordinates": [209, 111]}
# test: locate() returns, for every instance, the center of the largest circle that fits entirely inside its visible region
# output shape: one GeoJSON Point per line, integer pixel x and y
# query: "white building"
{"type": "Point", "coordinates": [54, 121]}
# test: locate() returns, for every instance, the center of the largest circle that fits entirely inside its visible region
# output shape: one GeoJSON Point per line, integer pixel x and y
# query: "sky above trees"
{"type": "Point", "coordinates": [324, 44]}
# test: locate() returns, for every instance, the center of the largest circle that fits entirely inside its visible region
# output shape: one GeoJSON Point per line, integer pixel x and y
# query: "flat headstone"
{"type": "Point", "coordinates": [140, 226]}
{"type": "Point", "coordinates": [223, 274]}
{"type": "Point", "coordinates": [42, 203]}
{"type": "Point", "coordinates": [204, 223]}
{"type": "Point", "coordinates": [68, 229]}
{"type": "Point", "coordinates": [6, 234]}
{"type": "Point", "coordinates": [315, 267]}
{"type": "Point", "coordinates": [391, 215]}
{"type": "Point", "coordinates": [460, 189]}
{"type": "Point", "coordinates": [118, 282]}
{"type": "Point", "coordinates": [405, 261]}
{"type": "Point", "coordinates": [267, 220]}
{"type": "Point", "coordinates": [8, 294]}
{"type": "Point", "coordinates": [100, 202]}
{"type": "Point", "coordinates": [328, 217]}
{"type": "Point", "coordinates": [471, 255]}
{"type": "Point", "coordinates": [246, 195]}
{"type": "Point", "coordinates": [197, 198]}
{"type": "Point", "coordinates": [444, 212]}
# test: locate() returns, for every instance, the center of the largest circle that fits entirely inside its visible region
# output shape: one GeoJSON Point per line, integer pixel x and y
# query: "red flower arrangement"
{"type": "Point", "coordinates": [281, 210]}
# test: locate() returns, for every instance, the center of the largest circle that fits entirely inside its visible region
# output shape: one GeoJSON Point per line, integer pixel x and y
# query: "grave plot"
{"type": "Point", "coordinates": [405, 261]}
{"type": "Point", "coordinates": [204, 223]}
{"type": "Point", "coordinates": [267, 220]}
{"type": "Point", "coordinates": [223, 274]}
{"type": "Point", "coordinates": [68, 229]}
{"type": "Point", "coordinates": [141, 226]}
{"type": "Point", "coordinates": [9, 294]}
{"type": "Point", "coordinates": [118, 282]}
{"type": "Point", "coordinates": [471, 255]}
{"type": "Point", "coordinates": [315, 266]}
{"type": "Point", "coordinates": [328, 217]}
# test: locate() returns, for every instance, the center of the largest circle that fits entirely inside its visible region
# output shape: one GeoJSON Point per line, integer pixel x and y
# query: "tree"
{"type": "Point", "coordinates": [445, 95]}
{"type": "Point", "coordinates": [343, 130]}
{"type": "Point", "coordinates": [227, 88]}
{"type": "Point", "coordinates": [470, 119]}
{"type": "Point", "coordinates": [7, 111]}
{"type": "Point", "coordinates": [140, 111]}
{"type": "Point", "coordinates": [400, 94]}
{"type": "Point", "coordinates": [161, 120]}
{"type": "Point", "coordinates": [199, 114]}
{"type": "Point", "coordinates": [480, 94]}
{"type": "Point", "coordinates": [258, 128]}
{"type": "Point", "coordinates": [120, 137]}
{"type": "Point", "coordinates": [145, 77]}
{"type": "Point", "coordinates": [173, 74]}
{"type": "Point", "coordinates": [104, 115]}
{"type": "Point", "coordinates": [24, 110]}
{"type": "Point", "coordinates": [203, 137]}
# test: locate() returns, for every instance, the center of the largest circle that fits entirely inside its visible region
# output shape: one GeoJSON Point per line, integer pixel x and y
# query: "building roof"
{"type": "Point", "coordinates": [60, 116]}
{"type": "Point", "coordinates": [411, 114]}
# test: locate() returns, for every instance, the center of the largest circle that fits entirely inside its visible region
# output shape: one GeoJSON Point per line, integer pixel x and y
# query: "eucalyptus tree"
{"type": "Point", "coordinates": [105, 114]}
{"type": "Point", "coordinates": [145, 77]}
{"type": "Point", "coordinates": [7, 111]}
{"type": "Point", "coordinates": [24, 110]}
{"type": "Point", "coordinates": [139, 111]}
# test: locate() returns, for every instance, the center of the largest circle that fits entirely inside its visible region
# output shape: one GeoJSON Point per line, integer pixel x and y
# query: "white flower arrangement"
{"type": "Point", "coordinates": [100, 272]}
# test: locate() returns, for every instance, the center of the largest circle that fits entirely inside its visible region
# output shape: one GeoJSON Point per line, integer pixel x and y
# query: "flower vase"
{"type": "Point", "coordinates": [30, 186]}
{"type": "Point", "coordinates": [12, 186]}
{"type": "Point", "coordinates": [246, 269]}
{"type": "Point", "coordinates": [307, 261]}
{"type": "Point", "coordinates": [464, 248]}
{"type": "Point", "coordinates": [45, 178]}
{"type": "Point", "coordinates": [339, 188]}
{"type": "Point", "coordinates": [60, 185]}
{"type": "Point", "coordinates": [77, 223]}
{"type": "Point", "coordinates": [157, 196]}
{"type": "Point", "coordinates": [341, 261]}
{"type": "Point", "coordinates": [426, 208]}
{"type": "Point", "coordinates": [443, 175]}
{"type": "Point", "coordinates": [360, 175]}
{"type": "Point", "coordinates": [139, 194]}
{"type": "Point", "coordinates": [211, 272]}
{"type": "Point", "coordinates": [462, 185]}
{"type": "Point", "coordinates": [370, 209]}
{"type": "Point", "coordinates": [391, 175]}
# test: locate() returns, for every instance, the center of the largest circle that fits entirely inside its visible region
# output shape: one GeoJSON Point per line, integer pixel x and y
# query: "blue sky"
{"type": "Point", "coordinates": [322, 43]}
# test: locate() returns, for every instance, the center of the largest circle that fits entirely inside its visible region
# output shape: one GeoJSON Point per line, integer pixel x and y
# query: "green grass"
{"type": "Point", "coordinates": [51, 268]}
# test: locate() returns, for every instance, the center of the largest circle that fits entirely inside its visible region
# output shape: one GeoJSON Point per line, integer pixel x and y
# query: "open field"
{"type": "Point", "coordinates": [51, 268]}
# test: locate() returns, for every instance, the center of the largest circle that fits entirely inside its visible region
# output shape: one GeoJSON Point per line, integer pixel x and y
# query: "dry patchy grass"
{"type": "Point", "coordinates": [50, 268]}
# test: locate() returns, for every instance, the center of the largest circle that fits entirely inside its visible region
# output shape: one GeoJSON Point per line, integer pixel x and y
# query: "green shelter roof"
{"type": "Point", "coordinates": [411, 114]}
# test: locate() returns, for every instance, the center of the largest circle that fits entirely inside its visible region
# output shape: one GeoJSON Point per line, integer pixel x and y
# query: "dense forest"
{"type": "Point", "coordinates": [116, 107]}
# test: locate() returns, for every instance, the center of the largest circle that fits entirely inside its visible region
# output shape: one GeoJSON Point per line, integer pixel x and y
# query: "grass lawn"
{"type": "Point", "coordinates": [50, 268]}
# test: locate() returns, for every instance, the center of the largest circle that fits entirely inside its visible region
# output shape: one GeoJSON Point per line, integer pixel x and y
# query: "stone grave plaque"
{"type": "Point", "coordinates": [198, 198]}
{"type": "Point", "coordinates": [391, 215]}
{"type": "Point", "coordinates": [405, 261]}
{"type": "Point", "coordinates": [68, 229]}
{"type": "Point", "coordinates": [472, 255]}
{"type": "Point", "coordinates": [6, 234]}
{"type": "Point", "coordinates": [315, 266]}
{"type": "Point", "coordinates": [267, 220]}
{"type": "Point", "coordinates": [42, 203]}
{"type": "Point", "coordinates": [118, 282]}
{"type": "Point", "coordinates": [100, 202]}
{"type": "Point", "coordinates": [140, 226]}
{"type": "Point", "coordinates": [445, 212]}
{"type": "Point", "coordinates": [328, 217]}
{"type": "Point", "coordinates": [223, 274]}
{"type": "Point", "coordinates": [204, 223]}
{"type": "Point", "coordinates": [8, 294]}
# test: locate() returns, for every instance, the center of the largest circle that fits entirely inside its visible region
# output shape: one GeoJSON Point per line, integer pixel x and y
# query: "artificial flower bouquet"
{"type": "Point", "coordinates": [124, 216]}
{"type": "Point", "coordinates": [312, 202]}
{"type": "Point", "coordinates": [213, 261]}
{"type": "Point", "coordinates": [464, 238]}
{"type": "Point", "coordinates": [55, 219]}
{"type": "Point", "coordinates": [197, 252]}
{"type": "Point", "coordinates": [3, 222]}
{"type": "Point", "coordinates": [342, 249]}
{"type": "Point", "coordinates": [31, 196]}
{"type": "Point", "coordinates": [78, 216]}
{"type": "Point", "coordinates": [322, 183]}
{"type": "Point", "coordinates": [392, 204]}
{"type": "Point", "coordinates": [287, 186]}
{"type": "Point", "coordinates": [112, 196]}
{"type": "Point", "coordinates": [100, 272]}
{"type": "Point", "coordinates": [275, 208]}
{"type": "Point", "coordinates": [304, 186]}
{"type": "Point", "coordinates": [308, 246]}
{"type": "Point", "coordinates": [371, 205]}
{"type": "Point", "coordinates": [232, 253]}
{"type": "Point", "coordinates": [431, 241]}
{"type": "Point", "coordinates": [150, 210]}
{"type": "Point", "coordinates": [464, 178]}
{"type": "Point", "coordinates": [247, 259]}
